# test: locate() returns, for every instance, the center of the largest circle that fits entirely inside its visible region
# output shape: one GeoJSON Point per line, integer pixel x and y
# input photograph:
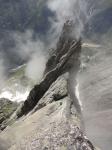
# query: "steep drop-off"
{"type": "Point", "coordinates": [96, 95]}
{"type": "Point", "coordinates": [51, 118]}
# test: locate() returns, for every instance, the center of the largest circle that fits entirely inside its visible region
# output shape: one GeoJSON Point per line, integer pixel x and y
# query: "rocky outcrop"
{"type": "Point", "coordinates": [50, 118]}
{"type": "Point", "coordinates": [52, 124]}
{"type": "Point", "coordinates": [66, 57]}
{"type": "Point", "coordinates": [6, 110]}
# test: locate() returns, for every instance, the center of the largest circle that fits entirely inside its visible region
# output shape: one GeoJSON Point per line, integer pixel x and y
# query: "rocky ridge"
{"type": "Point", "coordinates": [51, 118]}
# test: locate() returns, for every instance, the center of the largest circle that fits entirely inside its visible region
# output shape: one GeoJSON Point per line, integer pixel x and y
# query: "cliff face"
{"type": "Point", "coordinates": [53, 124]}
{"type": "Point", "coordinates": [96, 96]}
{"type": "Point", "coordinates": [51, 118]}
{"type": "Point", "coordinates": [64, 59]}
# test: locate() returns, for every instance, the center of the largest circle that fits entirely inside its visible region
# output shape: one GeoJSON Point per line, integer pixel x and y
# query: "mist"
{"type": "Point", "coordinates": [34, 51]}
{"type": "Point", "coordinates": [75, 10]}
{"type": "Point", "coordinates": [82, 12]}
{"type": "Point", "coordinates": [36, 66]}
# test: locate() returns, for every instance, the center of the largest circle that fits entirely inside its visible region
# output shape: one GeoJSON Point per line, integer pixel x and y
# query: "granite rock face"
{"type": "Point", "coordinates": [51, 118]}
{"type": "Point", "coordinates": [55, 125]}
{"type": "Point", "coordinates": [64, 59]}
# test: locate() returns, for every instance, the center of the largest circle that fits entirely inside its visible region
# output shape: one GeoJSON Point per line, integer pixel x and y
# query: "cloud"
{"type": "Point", "coordinates": [36, 66]}
{"type": "Point", "coordinates": [25, 45]}
{"type": "Point", "coordinates": [34, 51]}
{"type": "Point", "coordinates": [75, 10]}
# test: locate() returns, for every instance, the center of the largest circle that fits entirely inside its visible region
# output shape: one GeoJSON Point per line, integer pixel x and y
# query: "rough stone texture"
{"type": "Point", "coordinates": [57, 91]}
{"type": "Point", "coordinates": [66, 58]}
{"type": "Point", "coordinates": [53, 127]}
{"type": "Point", "coordinates": [55, 122]}
{"type": "Point", "coordinates": [96, 95]}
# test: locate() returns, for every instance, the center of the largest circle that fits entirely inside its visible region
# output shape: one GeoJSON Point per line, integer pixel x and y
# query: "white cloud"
{"type": "Point", "coordinates": [36, 67]}
{"type": "Point", "coordinates": [75, 10]}
{"type": "Point", "coordinates": [34, 51]}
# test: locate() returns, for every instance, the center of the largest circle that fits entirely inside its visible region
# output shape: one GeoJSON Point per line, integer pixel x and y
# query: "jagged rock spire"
{"type": "Point", "coordinates": [62, 60]}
